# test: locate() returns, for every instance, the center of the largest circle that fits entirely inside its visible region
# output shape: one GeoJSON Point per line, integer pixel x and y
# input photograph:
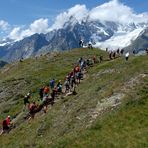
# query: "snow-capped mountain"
{"type": "Point", "coordinates": [107, 34]}
{"type": "Point", "coordinates": [113, 25]}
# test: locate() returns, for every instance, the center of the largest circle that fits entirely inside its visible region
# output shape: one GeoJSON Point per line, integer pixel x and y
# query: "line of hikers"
{"type": "Point", "coordinates": [116, 53]}
{"type": "Point", "coordinates": [88, 45]}
{"type": "Point", "coordinates": [47, 94]}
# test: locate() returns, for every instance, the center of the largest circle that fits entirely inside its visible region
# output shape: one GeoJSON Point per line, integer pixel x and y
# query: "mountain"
{"type": "Point", "coordinates": [110, 25]}
{"type": "Point", "coordinates": [109, 109]}
{"type": "Point", "coordinates": [102, 34]}
{"type": "Point", "coordinates": [140, 43]}
{"type": "Point", "coordinates": [24, 48]}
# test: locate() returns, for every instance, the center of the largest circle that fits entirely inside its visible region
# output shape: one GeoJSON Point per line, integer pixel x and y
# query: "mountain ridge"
{"type": "Point", "coordinates": [68, 37]}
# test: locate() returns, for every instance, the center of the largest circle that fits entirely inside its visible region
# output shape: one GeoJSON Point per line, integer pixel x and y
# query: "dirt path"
{"type": "Point", "coordinates": [114, 101]}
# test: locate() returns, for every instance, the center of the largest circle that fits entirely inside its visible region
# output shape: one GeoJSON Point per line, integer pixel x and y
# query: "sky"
{"type": "Point", "coordinates": [18, 14]}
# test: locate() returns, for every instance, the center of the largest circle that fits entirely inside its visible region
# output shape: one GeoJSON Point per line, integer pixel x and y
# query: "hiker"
{"type": "Point", "coordinates": [78, 77]}
{"type": "Point", "coordinates": [59, 83]}
{"type": "Point", "coordinates": [46, 90]}
{"type": "Point", "coordinates": [76, 69]}
{"type": "Point", "coordinates": [32, 108]}
{"type": "Point", "coordinates": [118, 51]}
{"type": "Point", "coordinates": [127, 56]}
{"type": "Point", "coordinates": [6, 125]}
{"type": "Point", "coordinates": [81, 43]}
{"type": "Point", "coordinates": [26, 99]}
{"type": "Point", "coordinates": [52, 83]}
{"type": "Point", "coordinates": [80, 60]}
{"type": "Point", "coordinates": [8, 120]}
{"type": "Point", "coordinates": [41, 92]}
{"type": "Point", "coordinates": [82, 65]}
{"type": "Point", "coordinates": [67, 85]}
{"type": "Point", "coordinates": [72, 81]}
{"type": "Point", "coordinates": [53, 94]}
{"type": "Point", "coordinates": [90, 45]}
{"type": "Point", "coordinates": [59, 87]}
{"type": "Point", "coordinates": [114, 54]}
{"type": "Point", "coordinates": [45, 103]}
{"type": "Point", "coordinates": [134, 51]}
{"type": "Point", "coordinates": [87, 62]}
{"type": "Point", "coordinates": [101, 58]}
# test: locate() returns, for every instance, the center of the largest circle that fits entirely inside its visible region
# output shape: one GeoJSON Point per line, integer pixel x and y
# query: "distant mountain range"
{"type": "Point", "coordinates": [101, 34]}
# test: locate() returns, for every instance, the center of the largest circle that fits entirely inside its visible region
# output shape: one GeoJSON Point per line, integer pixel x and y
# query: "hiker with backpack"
{"type": "Point", "coordinates": [46, 90]}
{"type": "Point", "coordinates": [6, 123]}
{"type": "Point", "coordinates": [59, 87]}
{"type": "Point", "coordinates": [32, 109]}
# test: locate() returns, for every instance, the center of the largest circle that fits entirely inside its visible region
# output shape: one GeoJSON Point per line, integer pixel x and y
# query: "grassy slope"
{"type": "Point", "coordinates": [67, 123]}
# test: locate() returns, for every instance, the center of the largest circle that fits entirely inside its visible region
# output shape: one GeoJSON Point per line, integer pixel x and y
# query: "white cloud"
{"type": "Point", "coordinates": [110, 11]}
{"type": "Point", "coordinates": [4, 25]}
{"type": "Point", "coordinates": [117, 12]}
{"type": "Point", "coordinates": [38, 26]}
{"type": "Point", "coordinates": [15, 33]}
{"type": "Point", "coordinates": [78, 13]}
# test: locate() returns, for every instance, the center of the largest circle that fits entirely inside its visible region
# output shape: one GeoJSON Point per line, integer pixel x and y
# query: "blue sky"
{"type": "Point", "coordinates": [22, 18]}
{"type": "Point", "coordinates": [20, 12]}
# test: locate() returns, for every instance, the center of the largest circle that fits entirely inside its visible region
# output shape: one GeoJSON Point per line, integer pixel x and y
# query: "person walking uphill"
{"type": "Point", "coordinates": [46, 90]}
{"type": "Point", "coordinates": [41, 92]}
{"type": "Point", "coordinates": [26, 99]}
{"type": "Point", "coordinates": [6, 125]}
{"type": "Point", "coordinates": [127, 56]}
{"type": "Point", "coordinates": [52, 84]}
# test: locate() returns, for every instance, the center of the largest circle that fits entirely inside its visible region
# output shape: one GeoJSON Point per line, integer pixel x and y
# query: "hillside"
{"type": "Point", "coordinates": [109, 110]}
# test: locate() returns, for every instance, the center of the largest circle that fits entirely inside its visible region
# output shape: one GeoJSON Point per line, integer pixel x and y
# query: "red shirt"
{"type": "Point", "coordinates": [46, 90]}
{"type": "Point", "coordinates": [8, 121]}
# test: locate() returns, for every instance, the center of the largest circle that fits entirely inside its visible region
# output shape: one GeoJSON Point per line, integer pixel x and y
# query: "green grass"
{"type": "Point", "coordinates": [125, 127]}
{"type": "Point", "coordinates": [67, 123]}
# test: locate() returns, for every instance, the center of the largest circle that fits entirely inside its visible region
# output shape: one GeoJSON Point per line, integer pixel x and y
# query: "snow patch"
{"type": "Point", "coordinates": [120, 39]}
